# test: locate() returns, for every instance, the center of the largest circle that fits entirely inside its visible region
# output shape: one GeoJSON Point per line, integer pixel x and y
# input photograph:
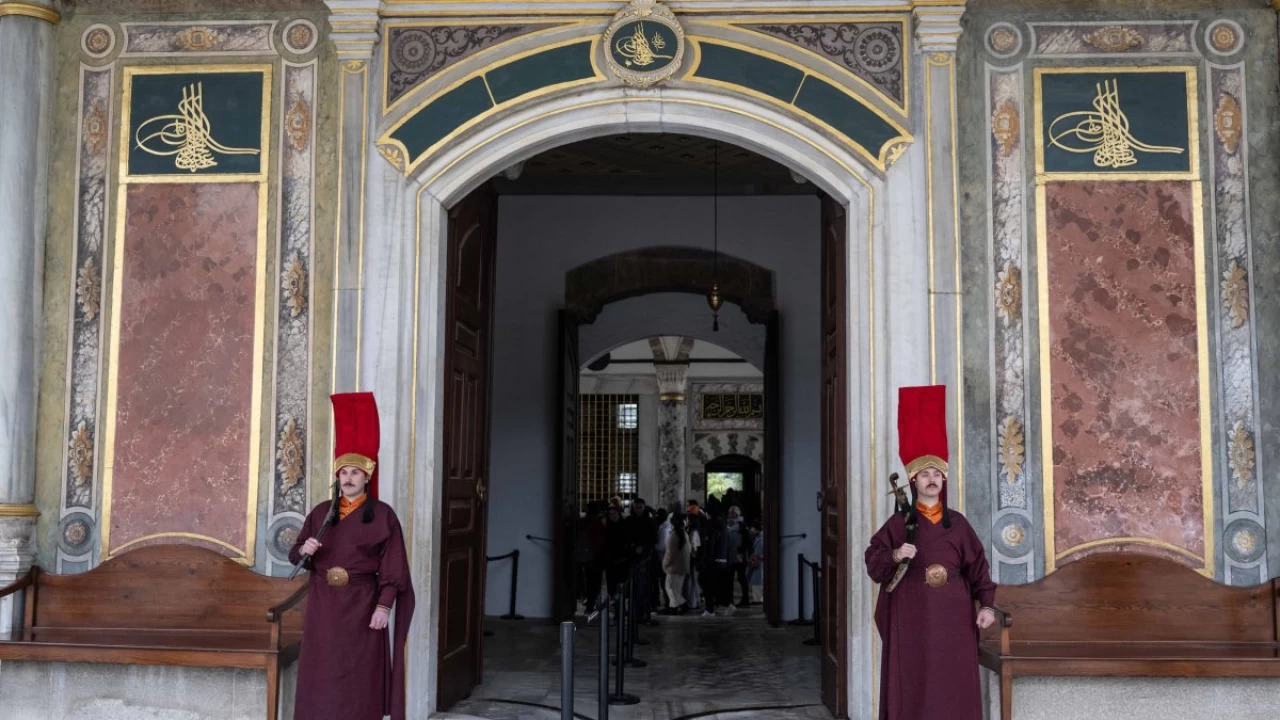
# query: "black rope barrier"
{"type": "Point", "coordinates": [515, 579]}
{"type": "Point", "coordinates": [802, 536]}
{"type": "Point", "coordinates": [539, 539]}
{"type": "Point", "coordinates": [815, 574]}
{"type": "Point", "coordinates": [800, 565]}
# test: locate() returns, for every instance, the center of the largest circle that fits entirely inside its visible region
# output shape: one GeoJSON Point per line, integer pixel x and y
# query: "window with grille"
{"type": "Point", "coordinates": [608, 447]}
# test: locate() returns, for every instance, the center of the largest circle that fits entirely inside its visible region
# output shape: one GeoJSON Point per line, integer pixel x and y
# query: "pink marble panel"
{"type": "Point", "coordinates": [182, 439]}
{"type": "Point", "coordinates": [1124, 366]}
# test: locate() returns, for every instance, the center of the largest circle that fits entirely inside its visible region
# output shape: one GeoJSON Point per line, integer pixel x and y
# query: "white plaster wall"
{"type": "Point", "coordinates": [539, 239]}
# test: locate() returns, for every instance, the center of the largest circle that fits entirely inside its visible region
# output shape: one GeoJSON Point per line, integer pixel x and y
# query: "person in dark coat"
{"type": "Point", "coordinates": [349, 667]}
{"type": "Point", "coordinates": [930, 621]}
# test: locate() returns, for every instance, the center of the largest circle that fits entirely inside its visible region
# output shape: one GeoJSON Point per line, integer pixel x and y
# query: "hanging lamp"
{"type": "Point", "coordinates": [714, 298]}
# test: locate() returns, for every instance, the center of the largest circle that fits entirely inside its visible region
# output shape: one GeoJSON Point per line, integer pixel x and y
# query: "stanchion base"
{"type": "Point", "coordinates": [806, 623]}
{"type": "Point", "coordinates": [811, 641]}
{"type": "Point", "coordinates": [512, 617]}
{"type": "Point", "coordinates": [623, 699]}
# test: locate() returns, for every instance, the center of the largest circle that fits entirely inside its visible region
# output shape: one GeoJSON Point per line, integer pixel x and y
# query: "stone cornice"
{"type": "Point", "coordinates": [938, 28]}
{"type": "Point", "coordinates": [355, 27]}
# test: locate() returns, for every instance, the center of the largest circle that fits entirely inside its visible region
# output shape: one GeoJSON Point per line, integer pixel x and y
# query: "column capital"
{"type": "Point", "coordinates": [38, 9]}
{"type": "Point", "coordinates": [938, 28]}
{"type": "Point", "coordinates": [673, 381]}
{"type": "Point", "coordinates": [355, 30]}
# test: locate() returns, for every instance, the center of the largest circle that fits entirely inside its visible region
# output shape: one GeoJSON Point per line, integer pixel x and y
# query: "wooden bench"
{"type": "Point", "coordinates": [161, 605]}
{"type": "Point", "coordinates": [1131, 615]}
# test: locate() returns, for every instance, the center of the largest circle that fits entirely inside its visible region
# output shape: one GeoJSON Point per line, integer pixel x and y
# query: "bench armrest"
{"type": "Point", "coordinates": [23, 582]}
{"type": "Point", "coordinates": [274, 614]}
{"type": "Point", "coordinates": [1005, 621]}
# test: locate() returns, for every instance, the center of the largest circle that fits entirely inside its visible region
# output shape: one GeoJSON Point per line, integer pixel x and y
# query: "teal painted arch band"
{"type": "Point", "coordinates": [813, 95]}
{"type": "Point", "coordinates": [450, 111]}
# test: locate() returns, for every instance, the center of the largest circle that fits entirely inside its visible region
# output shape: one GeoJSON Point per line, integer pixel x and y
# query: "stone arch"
{"type": "Point", "coordinates": [402, 350]}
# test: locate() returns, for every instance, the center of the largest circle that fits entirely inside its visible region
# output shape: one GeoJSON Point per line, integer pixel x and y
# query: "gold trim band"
{"type": "Point", "coordinates": [7, 510]}
{"type": "Point", "coordinates": [31, 10]}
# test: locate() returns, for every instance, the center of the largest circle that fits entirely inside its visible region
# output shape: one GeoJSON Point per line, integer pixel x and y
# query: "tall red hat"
{"type": "Point", "coordinates": [356, 435]}
{"type": "Point", "coordinates": [922, 428]}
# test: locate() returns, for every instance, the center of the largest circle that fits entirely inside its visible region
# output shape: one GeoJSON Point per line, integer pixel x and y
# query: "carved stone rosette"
{"type": "Point", "coordinates": [1239, 465]}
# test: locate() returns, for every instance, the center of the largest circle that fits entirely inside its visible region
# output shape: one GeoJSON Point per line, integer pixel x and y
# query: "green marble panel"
{"type": "Point", "coordinates": [846, 114]}
{"type": "Point", "coordinates": [442, 116]}
{"type": "Point", "coordinates": [545, 69]}
{"type": "Point", "coordinates": [739, 67]}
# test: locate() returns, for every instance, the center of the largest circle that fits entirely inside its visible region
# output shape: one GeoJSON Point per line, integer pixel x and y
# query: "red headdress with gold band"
{"type": "Point", "coordinates": [922, 428]}
{"type": "Point", "coordinates": [922, 436]}
{"type": "Point", "coordinates": [356, 435]}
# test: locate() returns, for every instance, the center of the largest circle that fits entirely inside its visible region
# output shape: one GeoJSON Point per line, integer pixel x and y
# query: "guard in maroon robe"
{"type": "Point", "coordinates": [929, 623]}
{"type": "Point", "coordinates": [347, 670]}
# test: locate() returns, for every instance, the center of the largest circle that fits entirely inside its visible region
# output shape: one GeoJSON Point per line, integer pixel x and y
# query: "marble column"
{"type": "Point", "coordinates": [673, 425]}
{"type": "Point", "coordinates": [26, 63]}
{"type": "Point", "coordinates": [937, 30]}
{"type": "Point", "coordinates": [355, 34]}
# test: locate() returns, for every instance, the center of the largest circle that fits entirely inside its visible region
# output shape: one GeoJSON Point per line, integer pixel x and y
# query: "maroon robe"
{"type": "Point", "coordinates": [346, 670]}
{"type": "Point", "coordinates": [929, 664]}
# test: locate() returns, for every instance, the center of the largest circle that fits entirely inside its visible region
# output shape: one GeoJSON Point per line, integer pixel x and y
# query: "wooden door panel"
{"type": "Point", "coordinates": [468, 357]}
{"type": "Point", "coordinates": [834, 455]}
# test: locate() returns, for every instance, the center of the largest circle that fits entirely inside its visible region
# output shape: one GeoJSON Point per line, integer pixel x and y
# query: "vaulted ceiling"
{"type": "Point", "coordinates": [651, 164]}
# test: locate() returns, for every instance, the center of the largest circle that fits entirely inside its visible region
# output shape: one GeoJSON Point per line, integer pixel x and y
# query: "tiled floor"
{"type": "Point", "coordinates": [729, 668]}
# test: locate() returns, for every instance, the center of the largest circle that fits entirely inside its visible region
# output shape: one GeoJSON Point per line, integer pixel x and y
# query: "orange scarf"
{"type": "Point", "coordinates": [346, 507]}
{"type": "Point", "coordinates": [932, 514]}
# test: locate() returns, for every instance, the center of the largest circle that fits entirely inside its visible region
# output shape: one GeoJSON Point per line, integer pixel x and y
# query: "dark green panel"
{"type": "Point", "coordinates": [552, 67]}
{"type": "Point", "coordinates": [196, 124]}
{"type": "Point", "coordinates": [841, 111]}
{"type": "Point", "coordinates": [442, 116]}
{"type": "Point", "coordinates": [1144, 113]}
{"type": "Point", "coordinates": [731, 65]}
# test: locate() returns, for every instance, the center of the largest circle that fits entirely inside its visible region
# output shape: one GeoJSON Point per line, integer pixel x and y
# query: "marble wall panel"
{"type": "Point", "coordinates": [182, 401]}
{"type": "Point", "coordinates": [1124, 371]}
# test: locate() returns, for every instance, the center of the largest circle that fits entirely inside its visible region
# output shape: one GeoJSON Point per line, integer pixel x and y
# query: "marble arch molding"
{"type": "Point", "coordinates": [440, 81]}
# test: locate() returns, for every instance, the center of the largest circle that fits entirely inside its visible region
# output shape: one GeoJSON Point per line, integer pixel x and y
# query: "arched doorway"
{"type": "Point", "coordinates": [695, 113]}
{"type": "Point", "coordinates": [406, 332]}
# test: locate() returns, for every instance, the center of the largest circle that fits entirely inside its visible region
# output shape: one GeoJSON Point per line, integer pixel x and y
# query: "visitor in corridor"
{"type": "Point", "coordinates": [928, 621]}
{"type": "Point", "coordinates": [738, 550]}
{"type": "Point", "coordinates": [675, 564]}
{"type": "Point", "coordinates": [755, 562]}
{"type": "Point", "coordinates": [642, 534]}
{"type": "Point", "coordinates": [717, 587]}
{"type": "Point", "coordinates": [349, 667]}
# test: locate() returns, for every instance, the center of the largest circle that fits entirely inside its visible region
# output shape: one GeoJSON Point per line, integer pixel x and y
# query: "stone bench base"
{"type": "Point", "coordinates": [1137, 698]}
{"type": "Point", "coordinates": [93, 691]}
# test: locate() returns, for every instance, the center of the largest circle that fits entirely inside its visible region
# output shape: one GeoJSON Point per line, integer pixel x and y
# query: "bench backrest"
{"type": "Point", "coordinates": [1125, 597]}
{"type": "Point", "coordinates": [162, 587]}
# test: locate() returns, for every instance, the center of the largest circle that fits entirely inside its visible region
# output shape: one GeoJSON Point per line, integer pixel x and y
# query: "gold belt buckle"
{"type": "Point", "coordinates": [337, 577]}
{"type": "Point", "coordinates": [934, 575]}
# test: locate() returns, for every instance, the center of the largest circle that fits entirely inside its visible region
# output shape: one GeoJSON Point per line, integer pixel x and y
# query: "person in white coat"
{"type": "Point", "coordinates": [675, 563]}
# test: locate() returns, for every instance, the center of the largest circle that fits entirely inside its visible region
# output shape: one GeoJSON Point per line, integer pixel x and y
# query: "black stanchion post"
{"type": "Point", "coordinates": [620, 697]}
{"type": "Point", "coordinates": [515, 579]}
{"type": "Point", "coordinates": [800, 563]}
{"type": "Point", "coordinates": [567, 629]}
{"type": "Point", "coordinates": [602, 711]}
{"type": "Point", "coordinates": [815, 572]}
{"type": "Point", "coordinates": [632, 623]}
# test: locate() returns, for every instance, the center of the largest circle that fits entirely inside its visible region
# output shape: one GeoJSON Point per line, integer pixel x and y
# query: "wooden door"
{"type": "Point", "coordinates": [834, 454]}
{"type": "Point", "coordinates": [772, 472]}
{"type": "Point", "coordinates": [468, 356]}
{"type": "Point", "coordinates": [566, 521]}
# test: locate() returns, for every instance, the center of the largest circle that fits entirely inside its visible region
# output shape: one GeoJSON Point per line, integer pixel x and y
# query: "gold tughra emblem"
{"type": "Point", "coordinates": [186, 134]}
{"type": "Point", "coordinates": [639, 50]}
{"type": "Point", "coordinates": [1103, 132]}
